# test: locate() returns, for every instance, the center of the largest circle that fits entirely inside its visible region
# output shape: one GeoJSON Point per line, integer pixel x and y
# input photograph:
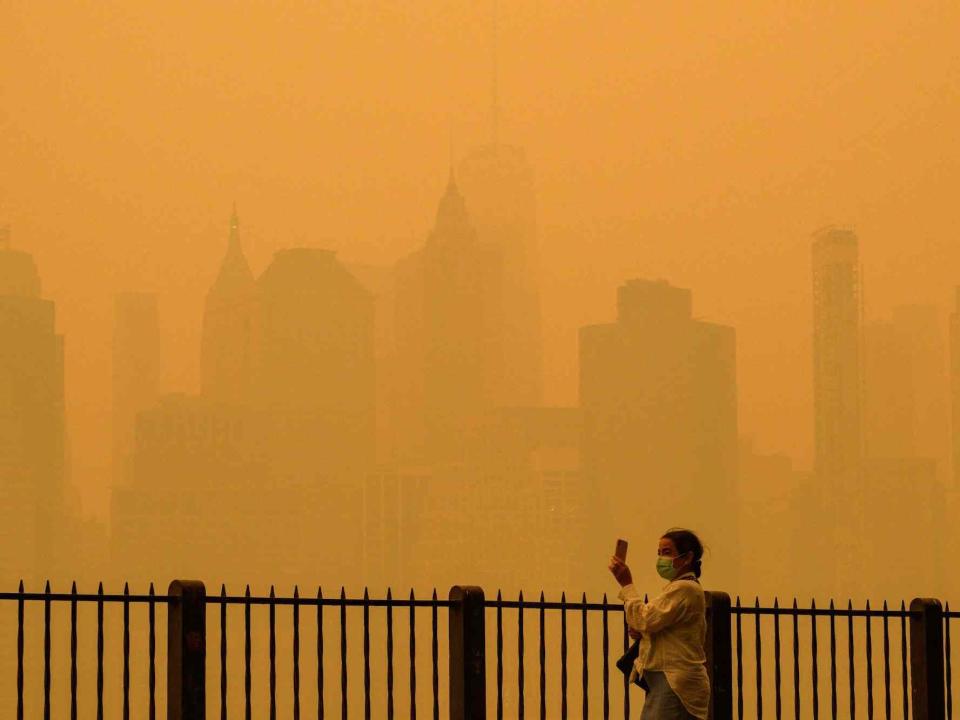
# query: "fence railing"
{"type": "Point", "coordinates": [549, 658]}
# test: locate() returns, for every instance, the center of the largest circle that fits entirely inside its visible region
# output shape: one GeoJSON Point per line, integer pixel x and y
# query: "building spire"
{"type": "Point", "coordinates": [234, 227]}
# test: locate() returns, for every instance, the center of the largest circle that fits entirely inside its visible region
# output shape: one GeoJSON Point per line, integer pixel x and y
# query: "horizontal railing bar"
{"type": "Point", "coordinates": [537, 605]}
{"type": "Point", "coordinates": [820, 612]}
{"type": "Point", "coordinates": [335, 602]}
{"type": "Point", "coordinates": [86, 597]}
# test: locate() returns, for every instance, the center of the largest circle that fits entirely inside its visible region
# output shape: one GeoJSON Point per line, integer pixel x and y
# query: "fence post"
{"type": "Point", "coordinates": [718, 650]}
{"type": "Point", "coordinates": [186, 650]}
{"type": "Point", "coordinates": [467, 641]}
{"type": "Point", "coordinates": [926, 659]}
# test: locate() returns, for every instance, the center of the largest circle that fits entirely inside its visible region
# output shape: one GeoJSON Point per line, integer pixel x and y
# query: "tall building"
{"type": "Point", "coordinates": [837, 400]}
{"type": "Point", "coordinates": [498, 182]}
{"type": "Point", "coordinates": [836, 353]}
{"type": "Point", "coordinates": [449, 337]}
{"type": "Point", "coordinates": [228, 326]}
{"type": "Point", "coordinates": [136, 370]}
{"type": "Point", "coordinates": [32, 436]}
{"type": "Point", "coordinates": [659, 399]}
{"type": "Point", "coordinates": [955, 387]}
{"type": "Point", "coordinates": [314, 379]}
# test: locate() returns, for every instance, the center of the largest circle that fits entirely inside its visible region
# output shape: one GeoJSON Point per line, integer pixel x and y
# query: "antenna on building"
{"type": "Point", "coordinates": [495, 89]}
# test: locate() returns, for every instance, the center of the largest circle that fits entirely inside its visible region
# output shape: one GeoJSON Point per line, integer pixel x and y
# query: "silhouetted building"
{"type": "Point", "coordinates": [498, 183]}
{"type": "Point", "coordinates": [955, 387]}
{"type": "Point", "coordinates": [836, 352]}
{"type": "Point", "coordinates": [837, 398]}
{"type": "Point", "coordinates": [228, 326]}
{"type": "Point", "coordinates": [659, 398]}
{"type": "Point", "coordinates": [449, 335]}
{"type": "Point", "coordinates": [136, 369]}
{"type": "Point", "coordinates": [31, 422]}
{"type": "Point", "coordinates": [314, 384]}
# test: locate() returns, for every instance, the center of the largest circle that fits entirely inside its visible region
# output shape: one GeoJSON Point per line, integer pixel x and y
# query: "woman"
{"type": "Point", "coordinates": [672, 630]}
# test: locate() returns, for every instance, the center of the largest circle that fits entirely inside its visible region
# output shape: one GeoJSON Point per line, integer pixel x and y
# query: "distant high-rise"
{"type": "Point", "coordinates": [228, 320]}
{"type": "Point", "coordinates": [449, 337]}
{"type": "Point", "coordinates": [136, 370]}
{"type": "Point", "coordinates": [497, 182]}
{"type": "Point", "coordinates": [955, 386]}
{"type": "Point", "coordinates": [314, 383]}
{"type": "Point", "coordinates": [31, 417]}
{"type": "Point", "coordinates": [659, 398]}
{"type": "Point", "coordinates": [836, 353]}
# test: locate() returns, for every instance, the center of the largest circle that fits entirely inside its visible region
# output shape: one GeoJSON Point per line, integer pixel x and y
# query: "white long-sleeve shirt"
{"type": "Point", "coordinates": [674, 628]}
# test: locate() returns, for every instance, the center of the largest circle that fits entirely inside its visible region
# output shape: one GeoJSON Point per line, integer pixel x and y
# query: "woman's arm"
{"type": "Point", "coordinates": [661, 612]}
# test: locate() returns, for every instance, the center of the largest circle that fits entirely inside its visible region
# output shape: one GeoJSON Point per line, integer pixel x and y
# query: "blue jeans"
{"type": "Point", "coordinates": [662, 702]}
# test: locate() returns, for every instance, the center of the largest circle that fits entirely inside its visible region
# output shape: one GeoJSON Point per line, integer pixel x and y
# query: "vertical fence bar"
{"type": "Point", "coordinates": [850, 664]}
{"type": "Point", "coordinates": [343, 653]}
{"type": "Point", "coordinates": [758, 650]}
{"type": "Point", "coordinates": [389, 654]}
{"type": "Point", "coordinates": [246, 654]}
{"type": "Point", "coordinates": [320, 706]}
{"type": "Point", "coordinates": [583, 648]}
{"type": "Point", "coordinates": [272, 652]}
{"type": "Point", "coordinates": [223, 652]}
{"type": "Point", "coordinates": [626, 679]}
{"type": "Point", "coordinates": [413, 658]}
{"type": "Point", "coordinates": [949, 661]}
{"type": "Point", "coordinates": [903, 661]}
{"type": "Point", "coordinates": [776, 659]}
{"type": "Point", "coordinates": [563, 656]}
{"type": "Point", "coordinates": [796, 660]}
{"type": "Point", "coordinates": [46, 652]}
{"type": "Point", "coordinates": [520, 668]}
{"type": "Point", "coordinates": [886, 661]}
{"type": "Point", "coordinates": [718, 652]}
{"type": "Point", "coordinates": [926, 659]}
{"type": "Point", "coordinates": [499, 656]}
{"type": "Point", "coordinates": [739, 614]}
{"type": "Point", "coordinates": [186, 651]}
{"type": "Point", "coordinates": [100, 651]}
{"type": "Point", "coordinates": [20, 652]}
{"type": "Point", "coordinates": [126, 651]}
{"type": "Point", "coordinates": [543, 661]}
{"type": "Point", "coordinates": [296, 652]}
{"type": "Point", "coordinates": [833, 661]}
{"type": "Point", "coordinates": [366, 654]}
{"type": "Point", "coordinates": [73, 651]}
{"type": "Point", "coordinates": [869, 651]}
{"type": "Point", "coordinates": [152, 650]}
{"type": "Point", "coordinates": [435, 657]}
{"type": "Point", "coordinates": [814, 670]}
{"type": "Point", "coordinates": [468, 693]}
{"type": "Point", "coordinates": [606, 661]}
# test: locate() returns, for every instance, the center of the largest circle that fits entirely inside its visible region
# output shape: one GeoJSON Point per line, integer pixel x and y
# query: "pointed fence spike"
{"type": "Point", "coordinates": [151, 589]}
{"type": "Point", "coordinates": [319, 593]}
{"type": "Point", "coordinates": [126, 588]}
{"type": "Point", "coordinates": [868, 604]}
{"type": "Point", "coordinates": [434, 593]}
{"type": "Point", "coordinates": [563, 597]}
{"type": "Point", "coordinates": [499, 596]}
{"type": "Point", "coordinates": [884, 605]}
{"type": "Point", "coordinates": [343, 593]}
{"type": "Point", "coordinates": [223, 590]}
{"type": "Point", "coordinates": [73, 587]}
{"type": "Point", "coordinates": [47, 588]}
{"type": "Point", "coordinates": [832, 606]}
{"type": "Point", "coordinates": [756, 601]}
{"type": "Point", "coordinates": [813, 603]}
{"type": "Point", "coordinates": [584, 598]}
{"type": "Point", "coordinates": [604, 598]}
{"type": "Point", "coordinates": [272, 595]}
{"type": "Point", "coordinates": [296, 592]}
{"type": "Point", "coordinates": [738, 601]}
{"type": "Point", "coordinates": [366, 595]}
{"type": "Point", "coordinates": [541, 596]}
{"type": "Point", "coordinates": [776, 603]}
{"type": "Point", "coordinates": [412, 597]}
{"type": "Point", "coordinates": [849, 604]}
{"type": "Point", "coordinates": [794, 603]}
{"type": "Point", "coordinates": [520, 597]}
{"type": "Point", "coordinates": [247, 592]}
{"type": "Point", "coordinates": [389, 593]}
{"type": "Point", "coordinates": [21, 586]}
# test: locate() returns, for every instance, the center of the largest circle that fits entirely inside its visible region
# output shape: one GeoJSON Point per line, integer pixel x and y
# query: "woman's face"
{"type": "Point", "coordinates": [667, 548]}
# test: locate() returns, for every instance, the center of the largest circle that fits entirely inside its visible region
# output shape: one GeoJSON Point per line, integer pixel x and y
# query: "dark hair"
{"type": "Point", "coordinates": [687, 541]}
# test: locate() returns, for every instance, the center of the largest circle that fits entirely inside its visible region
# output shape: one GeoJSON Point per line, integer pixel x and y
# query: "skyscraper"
{"type": "Point", "coordinates": [136, 369]}
{"type": "Point", "coordinates": [228, 320]}
{"type": "Point", "coordinates": [31, 418]}
{"type": "Point", "coordinates": [449, 336]}
{"type": "Point", "coordinates": [955, 386]}
{"type": "Point", "coordinates": [836, 353]}
{"type": "Point", "coordinates": [314, 383]}
{"type": "Point", "coordinates": [659, 398]}
{"type": "Point", "coordinates": [497, 182]}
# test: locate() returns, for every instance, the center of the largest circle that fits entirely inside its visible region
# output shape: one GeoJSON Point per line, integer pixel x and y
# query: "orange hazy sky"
{"type": "Point", "coordinates": [700, 142]}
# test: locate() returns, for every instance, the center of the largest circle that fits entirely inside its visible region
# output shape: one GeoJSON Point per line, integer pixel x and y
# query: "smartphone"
{"type": "Point", "coordinates": [621, 551]}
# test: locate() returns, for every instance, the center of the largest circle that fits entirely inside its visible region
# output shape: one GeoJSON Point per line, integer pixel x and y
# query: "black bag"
{"type": "Point", "coordinates": [625, 664]}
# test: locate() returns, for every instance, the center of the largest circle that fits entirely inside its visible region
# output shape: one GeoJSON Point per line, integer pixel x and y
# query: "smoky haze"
{"type": "Point", "coordinates": [701, 145]}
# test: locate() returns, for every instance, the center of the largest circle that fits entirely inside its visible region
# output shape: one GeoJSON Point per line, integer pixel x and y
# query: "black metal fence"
{"type": "Point", "coordinates": [336, 655]}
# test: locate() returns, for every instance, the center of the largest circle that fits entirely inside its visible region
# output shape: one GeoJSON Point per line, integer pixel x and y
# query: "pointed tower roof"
{"type": "Point", "coordinates": [452, 222]}
{"type": "Point", "coordinates": [235, 274]}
